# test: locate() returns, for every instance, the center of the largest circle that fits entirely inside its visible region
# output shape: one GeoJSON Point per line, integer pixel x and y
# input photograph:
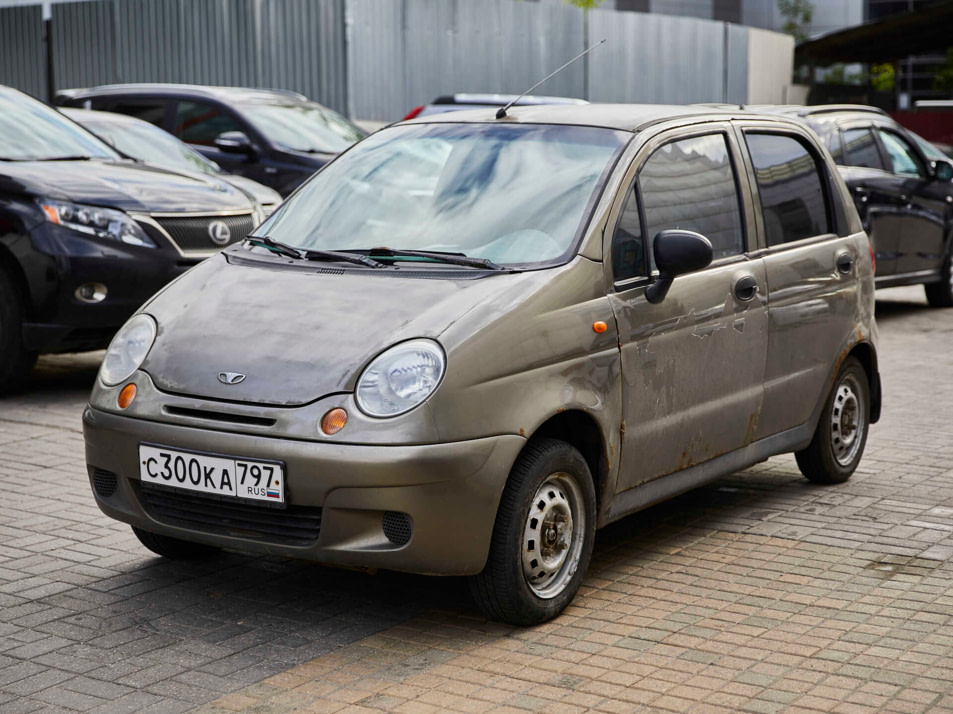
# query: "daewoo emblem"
{"type": "Point", "coordinates": [219, 233]}
{"type": "Point", "coordinates": [231, 377]}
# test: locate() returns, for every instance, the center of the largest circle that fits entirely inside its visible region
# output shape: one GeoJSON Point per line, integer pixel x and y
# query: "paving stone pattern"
{"type": "Point", "coordinates": [760, 592]}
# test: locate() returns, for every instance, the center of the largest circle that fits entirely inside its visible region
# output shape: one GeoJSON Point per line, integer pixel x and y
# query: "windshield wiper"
{"type": "Point", "coordinates": [276, 247]}
{"type": "Point", "coordinates": [303, 254]}
{"type": "Point", "coordinates": [65, 158]}
{"type": "Point", "coordinates": [441, 257]}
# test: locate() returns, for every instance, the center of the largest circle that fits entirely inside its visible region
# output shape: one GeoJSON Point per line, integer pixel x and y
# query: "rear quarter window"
{"type": "Point", "coordinates": [790, 186]}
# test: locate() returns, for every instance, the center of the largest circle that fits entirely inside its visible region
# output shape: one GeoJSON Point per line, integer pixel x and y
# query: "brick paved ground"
{"type": "Point", "coordinates": [759, 593]}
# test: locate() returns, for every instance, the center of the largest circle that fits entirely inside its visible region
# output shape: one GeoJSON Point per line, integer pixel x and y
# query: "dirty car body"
{"type": "Point", "coordinates": [578, 341]}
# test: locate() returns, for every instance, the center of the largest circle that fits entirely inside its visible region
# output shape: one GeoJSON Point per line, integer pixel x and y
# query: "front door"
{"type": "Point", "coordinates": [692, 365]}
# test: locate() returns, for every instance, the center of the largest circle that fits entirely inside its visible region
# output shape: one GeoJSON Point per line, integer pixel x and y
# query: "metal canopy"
{"type": "Point", "coordinates": [893, 38]}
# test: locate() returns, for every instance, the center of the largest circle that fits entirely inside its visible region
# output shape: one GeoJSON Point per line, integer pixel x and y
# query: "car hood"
{"type": "Point", "coordinates": [261, 193]}
{"type": "Point", "coordinates": [122, 185]}
{"type": "Point", "coordinates": [298, 334]}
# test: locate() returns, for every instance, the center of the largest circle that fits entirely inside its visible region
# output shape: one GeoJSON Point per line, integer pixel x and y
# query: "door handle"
{"type": "Point", "coordinates": [845, 261]}
{"type": "Point", "coordinates": [746, 288]}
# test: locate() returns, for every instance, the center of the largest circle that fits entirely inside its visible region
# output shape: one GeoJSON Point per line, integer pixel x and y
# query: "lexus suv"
{"type": "Point", "coordinates": [273, 137]}
{"type": "Point", "coordinates": [87, 236]}
{"type": "Point", "coordinates": [471, 341]}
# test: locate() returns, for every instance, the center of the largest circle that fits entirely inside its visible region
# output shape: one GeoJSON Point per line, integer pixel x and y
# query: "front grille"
{"type": "Point", "coordinates": [398, 527]}
{"type": "Point", "coordinates": [105, 482]}
{"type": "Point", "coordinates": [191, 233]}
{"type": "Point", "coordinates": [219, 416]}
{"type": "Point", "coordinates": [295, 525]}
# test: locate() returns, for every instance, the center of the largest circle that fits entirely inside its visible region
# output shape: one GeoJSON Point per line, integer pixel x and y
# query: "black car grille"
{"type": "Point", "coordinates": [191, 233]}
{"type": "Point", "coordinates": [295, 525]}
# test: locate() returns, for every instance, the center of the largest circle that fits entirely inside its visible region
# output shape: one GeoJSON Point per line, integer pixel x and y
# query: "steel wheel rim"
{"type": "Point", "coordinates": [847, 420]}
{"type": "Point", "coordinates": [553, 536]}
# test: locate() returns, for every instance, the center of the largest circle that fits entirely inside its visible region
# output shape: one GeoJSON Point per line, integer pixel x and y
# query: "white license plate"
{"type": "Point", "coordinates": [219, 475]}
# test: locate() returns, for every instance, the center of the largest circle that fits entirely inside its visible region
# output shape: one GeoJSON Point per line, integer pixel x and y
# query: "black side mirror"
{"type": "Point", "coordinates": [234, 142]}
{"type": "Point", "coordinates": [942, 170]}
{"type": "Point", "coordinates": [677, 252]}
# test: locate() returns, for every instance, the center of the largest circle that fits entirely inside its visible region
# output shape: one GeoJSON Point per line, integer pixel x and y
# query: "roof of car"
{"type": "Point", "coordinates": [625, 117]}
{"type": "Point", "coordinates": [801, 110]}
{"type": "Point", "coordinates": [233, 94]}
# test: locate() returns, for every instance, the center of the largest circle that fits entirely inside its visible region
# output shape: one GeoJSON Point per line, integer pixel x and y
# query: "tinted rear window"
{"type": "Point", "coordinates": [862, 149]}
{"type": "Point", "coordinates": [790, 187]}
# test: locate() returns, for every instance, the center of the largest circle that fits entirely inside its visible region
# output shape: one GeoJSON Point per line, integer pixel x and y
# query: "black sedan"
{"type": "Point", "coordinates": [273, 137]}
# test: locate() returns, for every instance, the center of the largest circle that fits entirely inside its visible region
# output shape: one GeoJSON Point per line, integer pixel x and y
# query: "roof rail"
{"type": "Point", "coordinates": [827, 108]}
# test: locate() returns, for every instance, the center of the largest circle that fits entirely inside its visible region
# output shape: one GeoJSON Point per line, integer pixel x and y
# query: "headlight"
{"type": "Point", "coordinates": [128, 350]}
{"type": "Point", "coordinates": [96, 221]}
{"type": "Point", "coordinates": [401, 378]}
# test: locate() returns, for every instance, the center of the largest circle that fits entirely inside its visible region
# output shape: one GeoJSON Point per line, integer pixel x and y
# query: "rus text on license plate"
{"type": "Point", "coordinates": [220, 475]}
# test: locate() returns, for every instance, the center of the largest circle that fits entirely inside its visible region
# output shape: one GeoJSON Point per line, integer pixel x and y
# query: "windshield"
{"type": "Point", "coordinates": [151, 144]}
{"type": "Point", "coordinates": [927, 148]}
{"type": "Point", "coordinates": [516, 195]}
{"type": "Point", "coordinates": [31, 131]}
{"type": "Point", "coordinates": [303, 127]}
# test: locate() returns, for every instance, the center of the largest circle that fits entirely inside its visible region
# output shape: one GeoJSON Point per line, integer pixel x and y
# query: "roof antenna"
{"type": "Point", "coordinates": [502, 110]}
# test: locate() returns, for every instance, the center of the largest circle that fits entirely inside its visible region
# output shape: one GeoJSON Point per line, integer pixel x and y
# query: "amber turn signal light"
{"type": "Point", "coordinates": [599, 326]}
{"type": "Point", "coordinates": [333, 421]}
{"type": "Point", "coordinates": [126, 396]}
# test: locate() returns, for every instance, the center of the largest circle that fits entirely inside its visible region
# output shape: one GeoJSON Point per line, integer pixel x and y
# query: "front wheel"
{"type": "Point", "coordinates": [841, 434]}
{"type": "Point", "coordinates": [941, 294]}
{"type": "Point", "coordinates": [543, 536]}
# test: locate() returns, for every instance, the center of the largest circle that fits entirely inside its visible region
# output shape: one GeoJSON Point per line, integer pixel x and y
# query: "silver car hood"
{"type": "Point", "coordinates": [297, 333]}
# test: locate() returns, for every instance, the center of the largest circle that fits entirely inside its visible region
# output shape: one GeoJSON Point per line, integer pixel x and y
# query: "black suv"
{"type": "Point", "coordinates": [903, 194]}
{"type": "Point", "coordinates": [86, 236]}
{"type": "Point", "coordinates": [273, 137]}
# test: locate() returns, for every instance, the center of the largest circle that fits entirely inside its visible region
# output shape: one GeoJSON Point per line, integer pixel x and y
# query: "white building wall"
{"type": "Point", "coordinates": [770, 67]}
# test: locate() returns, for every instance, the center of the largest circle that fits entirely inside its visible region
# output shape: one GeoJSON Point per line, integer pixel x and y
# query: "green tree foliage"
{"type": "Point", "coordinates": [797, 16]}
{"type": "Point", "coordinates": [883, 77]}
{"type": "Point", "coordinates": [943, 81]}
{"type": "Point", "coordinates": [585, 4]}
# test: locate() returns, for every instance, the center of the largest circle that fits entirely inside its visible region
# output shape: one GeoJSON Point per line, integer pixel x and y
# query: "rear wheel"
{"type": "Point", "coordinates": [941, 294]}
{"type": "Point", "coordinates": [173, 548]}
{"type": "Point", "coordinates": [543, 537]}
{"type": "Point", "coordinates": [841, 434]}
{"type": "Point", "coordinates": [15, 360]}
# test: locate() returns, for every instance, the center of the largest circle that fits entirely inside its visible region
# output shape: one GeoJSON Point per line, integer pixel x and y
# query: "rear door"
{"type": "Point", "coordinates": [692, 364]}
{"type": "Point", "coordinates": [811, 271]}
{"type": "Point", "coordinates": [879, 195]}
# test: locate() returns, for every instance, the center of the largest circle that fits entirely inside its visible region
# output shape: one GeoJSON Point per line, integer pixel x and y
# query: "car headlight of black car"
{"type": "Point", "coordinates": [96, 221]}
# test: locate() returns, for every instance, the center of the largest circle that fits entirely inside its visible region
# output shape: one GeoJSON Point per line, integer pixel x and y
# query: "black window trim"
{"type": "Point", "coordinates": [884, 158]}
{"type": "Point", "coordinates": [833, 229]}
{"type": "Point", "coordinates": [680, 134]}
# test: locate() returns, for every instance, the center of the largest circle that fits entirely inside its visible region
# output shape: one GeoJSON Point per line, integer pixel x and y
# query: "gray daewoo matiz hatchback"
{"type": "Point", "coordinates": [468, 342]}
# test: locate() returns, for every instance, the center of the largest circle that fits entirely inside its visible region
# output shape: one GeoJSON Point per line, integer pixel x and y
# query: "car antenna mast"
{"type": "Point", "coordinates": [502, 110]}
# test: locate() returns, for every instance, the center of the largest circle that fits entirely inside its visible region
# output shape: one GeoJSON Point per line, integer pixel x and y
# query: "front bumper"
{"type": "Point", "coordinates": [449, 491]}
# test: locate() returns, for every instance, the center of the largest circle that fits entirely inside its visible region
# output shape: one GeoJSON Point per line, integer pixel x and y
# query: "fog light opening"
{"type": "Point", "coordinates": [333, 421]}
{"type": "Point", "coordinates": [91, 292]}
{"type": "Point", "coordinates": [127, 395]}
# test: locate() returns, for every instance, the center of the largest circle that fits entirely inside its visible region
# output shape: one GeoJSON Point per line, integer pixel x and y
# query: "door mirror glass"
{"type": "Point", "coordinates": [677, 252]}
{"type": "Point", "coordinates": [942, 170]}
{"type": "Point", "coordinates": [234, 142]}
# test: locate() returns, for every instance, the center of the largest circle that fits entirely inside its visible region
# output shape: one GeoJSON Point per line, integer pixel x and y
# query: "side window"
{"type": "Point", "coordinates": [690, 184]}
{"type": "Point", "coordinates": [903, 157]}
{"type": "Point", "coordinates": [628, 246]}
{"type": "Point", "coordinates": [790, 187]}
{"type": "Point", "coordinates": [199, 123]}
{"type": "Point", "coordinates": [150, 111]}
{"type": "Point", "coordinates": [862, 149]}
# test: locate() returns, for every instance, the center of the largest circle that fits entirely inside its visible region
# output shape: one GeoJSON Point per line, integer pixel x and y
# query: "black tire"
{"type": "Point", "coordinates": [173, 548]}
{"type": "Point", "coordinates": [502, 590]}
{"type": "Point", "coordinates": [15, 360]}
{"type": "Point", "coordinates": [841, 434]}
{"type": "Point", "coordinates": [941, 294]}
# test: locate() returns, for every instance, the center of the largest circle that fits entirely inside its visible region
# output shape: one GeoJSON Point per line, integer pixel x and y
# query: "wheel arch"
{"type": "Point", "coordinates": [865, 353]}
{"type": "Point", "coordinates": [581, 430]}
{"type": "Point", "coordinates": [11, 269]}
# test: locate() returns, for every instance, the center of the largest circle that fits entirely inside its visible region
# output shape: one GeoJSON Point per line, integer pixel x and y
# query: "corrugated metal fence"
{"type": "Point", "coordinates": [375, 59]}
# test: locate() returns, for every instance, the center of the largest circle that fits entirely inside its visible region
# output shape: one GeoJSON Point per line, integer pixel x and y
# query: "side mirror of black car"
{"type": "Point", "coordinates": [942, 170]}
{"type": "Point", "coordinates": [234, 142]}
{"type": "Point", "coordinates": [677, 252]}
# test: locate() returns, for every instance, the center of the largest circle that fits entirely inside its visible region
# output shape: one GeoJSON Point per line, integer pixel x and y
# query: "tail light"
{"type": "Point", "coordinates": [413, 112]}
{"type": "Point", "coordinates": [873, 260]}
